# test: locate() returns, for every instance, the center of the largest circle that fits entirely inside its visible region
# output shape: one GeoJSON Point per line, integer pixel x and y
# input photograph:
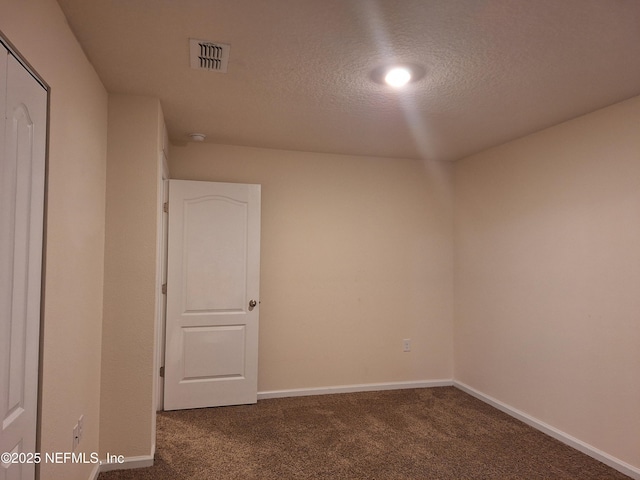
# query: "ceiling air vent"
{"type": "Point", "coordinates": [206, 55]}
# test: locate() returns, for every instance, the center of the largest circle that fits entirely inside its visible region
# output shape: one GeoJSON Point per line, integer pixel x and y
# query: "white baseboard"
{"type": "Point", "coordinates": [579, 445]}
{"type": "Point", "coordinates": [365, 387]}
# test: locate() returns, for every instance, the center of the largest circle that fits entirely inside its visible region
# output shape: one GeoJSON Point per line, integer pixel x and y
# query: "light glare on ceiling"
{"type": "Point", "coordinates": [397, 77]}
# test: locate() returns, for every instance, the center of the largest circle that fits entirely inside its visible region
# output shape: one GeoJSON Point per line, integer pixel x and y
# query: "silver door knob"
{"type": "Point", "coordinates": [252, 304]}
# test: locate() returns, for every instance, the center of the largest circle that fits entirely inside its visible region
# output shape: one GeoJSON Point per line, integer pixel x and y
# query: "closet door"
{"type": "Point", "coordinates": [23, 110]}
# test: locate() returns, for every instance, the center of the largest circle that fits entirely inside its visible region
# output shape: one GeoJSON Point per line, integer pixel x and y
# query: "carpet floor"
{"type": "Point", "coordinates": [435, 433]}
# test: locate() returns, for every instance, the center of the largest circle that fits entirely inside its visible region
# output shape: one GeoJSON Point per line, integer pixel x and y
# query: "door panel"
{"type": "Point", "coordinates": [223, 267]}
{"type": "Point", "coordinates": [214, 352]}
{"type": "Point", "coordinates": [22, 168]}
{"type": "Point", "coordinates": [211, 353]}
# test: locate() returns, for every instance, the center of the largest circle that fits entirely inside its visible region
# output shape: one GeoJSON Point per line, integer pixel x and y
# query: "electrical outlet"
{"type": "Point", "coordinates": [406, 345]}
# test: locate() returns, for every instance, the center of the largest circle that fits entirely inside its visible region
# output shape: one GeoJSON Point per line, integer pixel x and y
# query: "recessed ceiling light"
{"type": "Point", "coordinates": [398, 75]}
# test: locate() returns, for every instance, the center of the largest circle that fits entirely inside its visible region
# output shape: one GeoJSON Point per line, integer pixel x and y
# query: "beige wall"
{"type": "Point", "coordinates": [75, 227]}
{"type": "Point", "coordinates": [547, 277]}
{"type": "Point", "coordinates": [130, 285]}
{"type": "Point", "coordinates": [356, 256]}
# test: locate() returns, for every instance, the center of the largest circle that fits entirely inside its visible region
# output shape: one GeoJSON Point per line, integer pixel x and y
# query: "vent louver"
{"type": "Point", "coordinates": [211, 56]}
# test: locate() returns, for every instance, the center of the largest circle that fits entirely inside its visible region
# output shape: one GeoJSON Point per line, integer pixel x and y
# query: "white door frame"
{"type": "Point", "coordinates": [161, 278]}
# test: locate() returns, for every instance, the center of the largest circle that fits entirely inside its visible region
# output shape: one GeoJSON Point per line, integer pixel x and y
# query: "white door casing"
{"type": "Point", "coordinates": [211, 352]}
{"type": "Point", "coordinates": [23, 109]}
{"type": "Point", "coordinates": [162, 299]}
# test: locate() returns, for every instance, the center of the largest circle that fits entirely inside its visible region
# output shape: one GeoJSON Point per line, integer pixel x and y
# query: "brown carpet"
{"type": "Point", "coordinates": [436, 433]}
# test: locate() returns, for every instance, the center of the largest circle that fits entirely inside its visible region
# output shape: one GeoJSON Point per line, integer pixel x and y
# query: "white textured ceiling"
{"type": "Point", "coordinates": [298, 75]}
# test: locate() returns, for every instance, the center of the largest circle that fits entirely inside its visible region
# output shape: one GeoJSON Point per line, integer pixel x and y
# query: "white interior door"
{"type": "Point", "coordinates": [211, 352]}
{"type": "Point", "coordinates": [23, 113]}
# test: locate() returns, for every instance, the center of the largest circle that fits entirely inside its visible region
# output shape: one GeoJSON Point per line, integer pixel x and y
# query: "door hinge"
{"type": "Point", "coordinates": [164, 288]}
{"type": "Point", "coordinates": [165, 207]}
{"type": "Point", "coordinates": [162, 372]}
